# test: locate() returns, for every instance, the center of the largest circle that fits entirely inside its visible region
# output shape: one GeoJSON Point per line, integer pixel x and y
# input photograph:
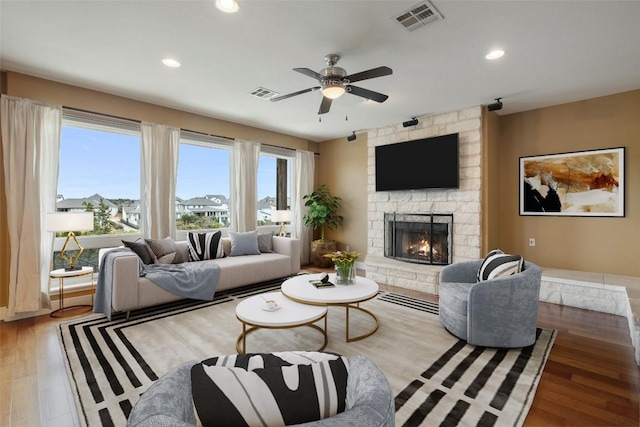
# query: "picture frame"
{"type": "Point", "coordinates": [580, 183]}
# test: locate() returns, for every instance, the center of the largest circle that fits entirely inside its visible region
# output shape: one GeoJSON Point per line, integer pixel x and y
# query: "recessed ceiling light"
{"type": "Point", "coordinates": [495, 54]}
{"type": "Point", "coordinates": [227, 6]}
{"type": "Point", "coordinates": [170, 62]}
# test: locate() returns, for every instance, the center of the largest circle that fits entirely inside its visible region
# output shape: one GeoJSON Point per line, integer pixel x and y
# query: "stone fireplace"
{"type": "Point", "coordinates": [420, 238]}
{"type": "Point", "coordinates": [464, 203]}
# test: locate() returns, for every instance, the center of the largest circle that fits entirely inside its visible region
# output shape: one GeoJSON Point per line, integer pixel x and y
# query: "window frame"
{"type": "Point", "coordinates": [206, 141]}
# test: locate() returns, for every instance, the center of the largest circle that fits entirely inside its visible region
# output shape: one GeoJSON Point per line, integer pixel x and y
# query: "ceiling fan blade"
{"type": "Point", "coordinates": [300, 92]}
{"type": "Point", "coordinates": [325, 105]}
{"type": "Point", "coordinates": [369, 74]}
{"type": "Point", "coordinates": [366, 93]}
{"type": "Point", "coordinates": [308, 72]}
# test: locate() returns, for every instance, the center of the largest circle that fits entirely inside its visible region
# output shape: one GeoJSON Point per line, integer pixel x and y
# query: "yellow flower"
{"type": "Point", "coordinates": [343, 258]}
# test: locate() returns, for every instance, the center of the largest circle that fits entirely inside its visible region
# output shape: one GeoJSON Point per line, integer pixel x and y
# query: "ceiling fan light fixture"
{"type": "Point", "coordinates": [333, 90]}
{"type": "Point", "coordinates": [495, 54]}
{"type": "Point", "coordinates": [170, 62]}
{"type": "Point", "coordinates": [227, 6]}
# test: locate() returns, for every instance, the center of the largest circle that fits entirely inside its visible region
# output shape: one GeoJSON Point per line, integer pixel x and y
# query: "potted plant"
{"type": "Point", "coordinates": [322, 209]}
{"type": "Point", "coordinates": [345, 266]}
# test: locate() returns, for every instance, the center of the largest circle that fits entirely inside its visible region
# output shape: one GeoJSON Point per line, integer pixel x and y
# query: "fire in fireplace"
{"type": "Point", "coordinates": [421, 238]}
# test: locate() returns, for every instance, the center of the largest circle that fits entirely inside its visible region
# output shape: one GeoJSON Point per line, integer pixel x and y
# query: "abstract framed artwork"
{"type": "Point", "coordinates": [584, 183]}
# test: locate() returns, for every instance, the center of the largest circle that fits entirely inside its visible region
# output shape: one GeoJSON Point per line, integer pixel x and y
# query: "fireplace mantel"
{"type": "Point", "coordinates": [417, 277]}
{"type": "Point", "coordinates": [464, 203]}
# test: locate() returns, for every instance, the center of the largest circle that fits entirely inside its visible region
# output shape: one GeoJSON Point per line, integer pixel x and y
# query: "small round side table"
{"type": "Point", "coordinates": [62, 274]}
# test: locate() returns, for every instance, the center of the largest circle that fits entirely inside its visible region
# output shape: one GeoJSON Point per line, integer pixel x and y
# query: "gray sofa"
{"type": "Point", "coordinates": [168, 402]}
{"type": "Point", "coordinates": [130, 291]}
{"type": "Point", "coordinates": [495, 313]}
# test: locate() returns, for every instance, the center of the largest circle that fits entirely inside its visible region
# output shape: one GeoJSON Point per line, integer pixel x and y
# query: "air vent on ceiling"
{"type": "Point", "coordinates": [418, 16]}
{"type": "Point", "coordinates": [264, 93]}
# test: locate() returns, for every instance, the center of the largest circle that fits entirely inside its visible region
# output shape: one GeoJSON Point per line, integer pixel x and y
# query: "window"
{"type": "Point", "coordinates": [99, 171]}
{"type": "Point", "coordinates": [274, 190]}
{"type": "Point", "coordinates": [202, 187]}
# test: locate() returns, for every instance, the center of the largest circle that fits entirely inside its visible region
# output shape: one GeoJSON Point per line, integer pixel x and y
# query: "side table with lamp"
{"type": "Point", "coordinates": [281, 216]}
{"type": "Point", "coordinates": [66, 222]}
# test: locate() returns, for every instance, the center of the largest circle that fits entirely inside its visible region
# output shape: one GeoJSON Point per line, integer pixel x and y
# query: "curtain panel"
{"type": "Point", "coordinates": [302, 185]}
{"type": "Point", "coordinates": [159, 167]}
{"type": "Point", "coordinates": [30, 147]}
{"type": "Point", "coordinates": [244, 185]}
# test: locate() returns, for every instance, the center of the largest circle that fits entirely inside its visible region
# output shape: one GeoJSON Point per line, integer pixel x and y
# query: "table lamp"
{"type": "Point", "coordinates": [67, 221]}
{"type": "Point", "coordinates": [281, 216]}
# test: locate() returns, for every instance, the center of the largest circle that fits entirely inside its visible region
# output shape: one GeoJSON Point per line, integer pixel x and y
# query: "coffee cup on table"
{"type": "Point", "coordinates": [271, 304]}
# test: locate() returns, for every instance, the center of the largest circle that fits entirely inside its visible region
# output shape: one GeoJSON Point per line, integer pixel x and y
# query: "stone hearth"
{"type": "Point", "coordinates": [463, 202]}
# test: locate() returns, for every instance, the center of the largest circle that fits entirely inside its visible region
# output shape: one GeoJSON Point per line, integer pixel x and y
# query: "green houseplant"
{"type": "Point", "coordinates": [322, 213]}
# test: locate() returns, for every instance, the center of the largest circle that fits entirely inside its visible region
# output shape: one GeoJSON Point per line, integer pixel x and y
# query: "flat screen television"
{"type": "Point", "coordinates": [418, 164]}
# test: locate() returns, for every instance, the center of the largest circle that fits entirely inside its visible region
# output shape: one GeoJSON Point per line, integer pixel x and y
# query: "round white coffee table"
{"type": "Point", "coordinates": [300, 289]}
{"type": "Point", "coordinates": [252, 313]}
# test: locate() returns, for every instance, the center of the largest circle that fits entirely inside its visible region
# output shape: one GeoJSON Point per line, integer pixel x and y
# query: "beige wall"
{"type": "Point", "coordinates": [71, 96]}
{"type": "Point", "coordinates": [609, 245]}
{"type": "Point", "coordinates": [342, 167]}
{"type": "Point", "coordinates": [490, 181]}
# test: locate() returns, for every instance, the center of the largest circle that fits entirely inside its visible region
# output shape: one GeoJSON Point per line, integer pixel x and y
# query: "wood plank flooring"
{"type": "Point", "coordinates": [590, 379]}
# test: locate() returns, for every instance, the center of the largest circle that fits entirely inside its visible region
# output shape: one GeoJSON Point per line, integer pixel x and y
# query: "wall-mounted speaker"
{"type": "Point", "coordinates": [411, 122]}
{"type": "Point", "coordinates": [495, 106]}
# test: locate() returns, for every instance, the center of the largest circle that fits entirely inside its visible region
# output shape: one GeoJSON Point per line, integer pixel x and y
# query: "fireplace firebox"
{"type": "Point", "coordinates": [425, 238]}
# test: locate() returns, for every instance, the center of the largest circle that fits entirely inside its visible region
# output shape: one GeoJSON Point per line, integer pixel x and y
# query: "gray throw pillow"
{"type": "Point", "coordinates": [165, 251]}
{"type": "Point", "coordinates": [265, 245]}
{"type": "Point", "coordinates": [140, 247]}
{"type": "Point", "coordinates": [244, 243]}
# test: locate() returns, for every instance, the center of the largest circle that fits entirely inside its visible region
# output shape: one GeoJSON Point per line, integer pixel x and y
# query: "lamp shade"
{"type": "Point", "coordinates": [69, 221]}
{"type": "Point", "coordinates": [281, 215]}
{"type": "Point", "coordinates": [333, 91]}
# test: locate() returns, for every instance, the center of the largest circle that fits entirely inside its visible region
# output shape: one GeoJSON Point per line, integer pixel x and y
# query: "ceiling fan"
{"type": "Point", "coordinates": [334, 82]}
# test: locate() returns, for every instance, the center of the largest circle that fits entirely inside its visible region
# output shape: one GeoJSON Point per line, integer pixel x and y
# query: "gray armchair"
{"type": "Point", "coordinates": [168, 402]}
{"type": "Point", "coordinates": [495, 313]}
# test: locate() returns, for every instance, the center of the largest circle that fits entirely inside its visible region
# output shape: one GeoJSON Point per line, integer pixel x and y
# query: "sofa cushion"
{"type": "Point", "coordinates": [140, 247]}
{"type": "Point", "coordinates": [244, 243]}
{"type": "Point", "coordinates": [205, 245]}
{"type": "Point", "coordinates": [267, 390]}
{"type": "Point", "coordinates": [498, 264]}
{"type": "Point", "coordinates": [165, 251]}
{"type": "Point", "coordinates": [265, 242]}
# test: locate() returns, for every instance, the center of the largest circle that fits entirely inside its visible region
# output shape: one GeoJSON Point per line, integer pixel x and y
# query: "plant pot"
{"type": "Point", "coordinates": [319, 249]}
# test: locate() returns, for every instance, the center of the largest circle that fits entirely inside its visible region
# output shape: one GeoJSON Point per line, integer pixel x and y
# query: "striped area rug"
{"type": "Point", "coordinates": [436, 378]}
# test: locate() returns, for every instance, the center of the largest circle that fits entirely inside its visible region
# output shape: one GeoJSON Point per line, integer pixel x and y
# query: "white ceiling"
{"type": "Point", "coordinates": [557, 52]}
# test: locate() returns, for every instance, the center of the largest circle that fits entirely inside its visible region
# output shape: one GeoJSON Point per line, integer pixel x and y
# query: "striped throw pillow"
{"type": "Point", "coordinates": [498, 264]}
{"type": "Point", "coordinates": [205, 245]}
{"type": "Point", "coordinates": [268, 389]}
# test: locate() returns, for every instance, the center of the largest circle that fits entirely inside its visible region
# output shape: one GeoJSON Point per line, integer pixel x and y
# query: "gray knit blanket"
{"type": "Point", "coordinates": [195, 280]}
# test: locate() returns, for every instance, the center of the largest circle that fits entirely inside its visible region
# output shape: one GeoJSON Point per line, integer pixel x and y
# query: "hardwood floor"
{"type": "Point", "coordinates": [590, 379]}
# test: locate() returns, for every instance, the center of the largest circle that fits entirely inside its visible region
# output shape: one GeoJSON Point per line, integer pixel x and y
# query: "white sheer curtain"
{"type": "Point", "coordinates": [244, 185]}
{"type": "Point", "coordinates": [31, 149]}
{"type": "Point", "coordinates": [159, 166]}
{"type": "Point", "coordinates": [302, 185]}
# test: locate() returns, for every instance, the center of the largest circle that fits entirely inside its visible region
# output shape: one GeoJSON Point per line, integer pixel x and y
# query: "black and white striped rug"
{"type": "Point", "coordinates": [436, 378]}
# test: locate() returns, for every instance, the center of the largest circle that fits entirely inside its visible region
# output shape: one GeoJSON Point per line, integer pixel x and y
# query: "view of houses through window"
{"type": "Point", "coordinates": [100, 172]}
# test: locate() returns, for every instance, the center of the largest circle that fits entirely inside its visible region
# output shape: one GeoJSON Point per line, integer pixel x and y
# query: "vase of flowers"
{"type": "Point", "coordinates": [345, 266]}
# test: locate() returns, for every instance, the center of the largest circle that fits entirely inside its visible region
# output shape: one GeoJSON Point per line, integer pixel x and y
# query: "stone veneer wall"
{"type": "Point", "coordinates": [464, 202]}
